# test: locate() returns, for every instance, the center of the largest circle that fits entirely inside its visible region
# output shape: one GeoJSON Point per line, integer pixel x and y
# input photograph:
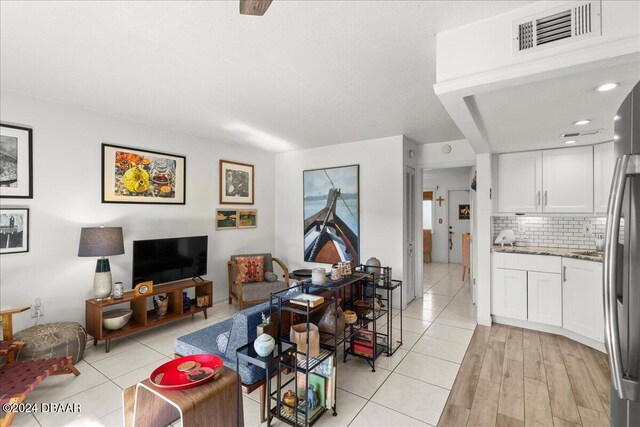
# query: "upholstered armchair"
{"type": "Point", "coordinates": [247, 286]}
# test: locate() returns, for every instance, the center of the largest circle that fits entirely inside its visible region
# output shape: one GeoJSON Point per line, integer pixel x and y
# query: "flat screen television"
{"type": "Point", "coordinates": [168, 260]}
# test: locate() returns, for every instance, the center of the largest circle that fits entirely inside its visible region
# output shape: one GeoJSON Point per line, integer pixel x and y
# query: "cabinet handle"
{"type": "Point", "coordinates": [538, 199]}
{"type": "Point", "coordinates": [545, 197]}
{"type": "Point", "coordinates": [564, 273]}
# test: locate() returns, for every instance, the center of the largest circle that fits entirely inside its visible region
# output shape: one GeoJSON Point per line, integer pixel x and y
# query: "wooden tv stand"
{"type": "Point", "coordinates": [143, 318]}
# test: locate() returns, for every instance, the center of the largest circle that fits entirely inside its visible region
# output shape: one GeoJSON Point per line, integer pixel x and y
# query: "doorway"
{"type": "Point", "coordinates": [459, 221]}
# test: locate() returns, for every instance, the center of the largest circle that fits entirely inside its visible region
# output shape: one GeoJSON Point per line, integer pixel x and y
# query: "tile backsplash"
{"type": "Point", "coordinates": [552, 231]}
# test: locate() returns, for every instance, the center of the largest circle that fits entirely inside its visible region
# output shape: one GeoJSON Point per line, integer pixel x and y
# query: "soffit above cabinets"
{"type": "Point", "coordinates": [535, 115]}
{"type": "Point", "coordinates": [506, 102]}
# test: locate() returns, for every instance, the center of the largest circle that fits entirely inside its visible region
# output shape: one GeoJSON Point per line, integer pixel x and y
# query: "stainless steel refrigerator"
{"type": "Point", "coordinates": [622, 267]}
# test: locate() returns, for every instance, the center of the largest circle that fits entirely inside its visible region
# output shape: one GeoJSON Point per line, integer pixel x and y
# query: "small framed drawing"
{"type": "Point", "coordinates": [226, 219]}
{"type": "Point", "coordinates": [247, 218]}
{"type": "Point", "coordinates": [16, 161]}
{"type": "Point", "coordinates": [236, 183]}
{"type": "Point", "coordinates": [464, 211]}
{"type": "Point", "coordinates": [14, 230]}
{"type": "Point", "coordinates": [132, 175]}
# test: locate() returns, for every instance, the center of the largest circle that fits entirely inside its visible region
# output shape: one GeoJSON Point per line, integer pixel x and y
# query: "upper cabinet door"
{"type": "Point", "coordinates": [520, 182]}
{"type": "Point", "coordinates": [568, 180]}
{"type": "Point", "coordinates": [603, 165]}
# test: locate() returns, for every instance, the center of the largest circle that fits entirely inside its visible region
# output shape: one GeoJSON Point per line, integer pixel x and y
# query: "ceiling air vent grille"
{"type": "Point", "coordinates": [583, 133]}
{"type": "Point", "coordinates": [557, 26]}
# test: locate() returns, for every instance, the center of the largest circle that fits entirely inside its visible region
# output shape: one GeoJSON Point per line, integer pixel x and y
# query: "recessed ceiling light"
{"type": "Point", "coordinates": [616, 118]}
{"type": "Point", "coordinates": [607, 86]}
{"type": "Point", "coordinates": [581, 122]}
{"type": "Point", "coordinates": [571, 141]}
{"type": "Point", "coordinates": [616, 137]}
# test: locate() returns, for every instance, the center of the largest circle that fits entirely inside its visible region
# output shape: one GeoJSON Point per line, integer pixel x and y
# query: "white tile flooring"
{"type": "Point", "coordinates": [408, 389]}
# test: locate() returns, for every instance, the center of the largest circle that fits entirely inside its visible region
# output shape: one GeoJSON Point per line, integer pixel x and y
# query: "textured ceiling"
{"type": "Point", "coordinates": [306, 74]}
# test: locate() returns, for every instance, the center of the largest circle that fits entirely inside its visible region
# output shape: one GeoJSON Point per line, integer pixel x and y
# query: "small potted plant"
{"type": "Point", "coordinates": [266, 327]}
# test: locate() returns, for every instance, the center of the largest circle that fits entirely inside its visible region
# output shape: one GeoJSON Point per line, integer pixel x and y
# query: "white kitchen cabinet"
{"type": "Point", "coordinates": [582, 310]}
{"type": "Point", "coordinates": [509, 293]}
{"type": "Point", "coordinates": [603, 164]}
{"type": "Point", "coordinates": [567, 180]}
{"type": "Point", "coordinates": [544, 298]}
{"type": "Point", "coordinates": [520, 182]}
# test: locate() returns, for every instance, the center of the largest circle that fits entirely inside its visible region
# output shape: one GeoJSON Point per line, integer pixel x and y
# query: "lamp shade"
{"type": "Point", "coordinates": [101, 241]}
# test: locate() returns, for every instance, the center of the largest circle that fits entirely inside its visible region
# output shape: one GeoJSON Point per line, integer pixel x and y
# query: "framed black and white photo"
{"type": "Point", "coordinates": [14, 230]}
{"type": "Point", "coordinates": [16, 160]}
{"type": "Point", "coordinates": [236, 183]}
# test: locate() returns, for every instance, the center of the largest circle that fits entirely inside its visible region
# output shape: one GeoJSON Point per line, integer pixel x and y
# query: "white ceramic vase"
{"type": "Point", "coordinates": [264, 345]}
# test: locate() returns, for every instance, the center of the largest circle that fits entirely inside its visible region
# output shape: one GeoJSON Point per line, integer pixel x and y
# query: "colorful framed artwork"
{"type": "Point", "coordinates": [16, 162]}
{"type": "Point", "coordinates": [226, 219]}
{"type": "Point", "coordinates": [133, 175]}
{"type": "Point", "coordinates": [236, 183]}
{"type": "Point", "coordinates": [332, 214]}
{"type": "Point", "coordinates": [14, 230]}
{"type": "Point", "coordinates": [247, 218]}
{"type": "Point", "coordinates": [464, 211]}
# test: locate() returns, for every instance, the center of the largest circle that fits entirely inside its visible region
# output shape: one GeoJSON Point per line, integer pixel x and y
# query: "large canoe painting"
{"type": "Point", "coordinates": [332, 215]}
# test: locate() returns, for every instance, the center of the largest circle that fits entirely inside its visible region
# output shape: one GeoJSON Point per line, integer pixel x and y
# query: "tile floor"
{"type": "Point", "coordinates": [409, 389]}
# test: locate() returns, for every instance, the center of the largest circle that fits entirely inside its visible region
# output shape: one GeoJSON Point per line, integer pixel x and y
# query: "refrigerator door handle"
{"type": "Point", "coordinates": [624, 386]}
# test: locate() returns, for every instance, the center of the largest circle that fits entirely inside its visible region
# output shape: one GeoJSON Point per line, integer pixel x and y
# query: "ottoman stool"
{"type": "Point", "coordinates": [52, 340]}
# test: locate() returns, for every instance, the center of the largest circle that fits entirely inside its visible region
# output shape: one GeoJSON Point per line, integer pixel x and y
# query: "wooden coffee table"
{"type": "Point", "coordinates": [212, 404]}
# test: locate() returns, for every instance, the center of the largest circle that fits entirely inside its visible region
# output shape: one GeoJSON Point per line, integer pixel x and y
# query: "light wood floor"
{"type": "Point", "coordinates": [518, 377]}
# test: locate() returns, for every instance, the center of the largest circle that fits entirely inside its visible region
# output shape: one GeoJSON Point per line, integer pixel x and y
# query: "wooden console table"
{"type": "Point", "coordinates": [143, 318]}
{"type": "Point", "coordinates": [215, 403]}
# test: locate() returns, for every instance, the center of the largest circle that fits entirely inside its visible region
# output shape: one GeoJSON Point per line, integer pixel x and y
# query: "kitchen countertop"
{"type": "Point", "coordinates": [541, 250]}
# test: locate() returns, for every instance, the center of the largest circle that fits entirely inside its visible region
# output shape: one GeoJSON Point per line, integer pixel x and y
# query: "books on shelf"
{"type": "Point", "coordinates": [314, 300]}
{"type": "Point", "coordinates": [362, 343]}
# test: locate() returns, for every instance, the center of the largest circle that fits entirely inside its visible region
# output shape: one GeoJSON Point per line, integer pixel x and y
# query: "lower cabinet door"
{"type": "Point", "coordinates": [509, 293]}
{"type": "Point", "coordinates": [583, 311]}
{"type": "Point", "coordinates": [544, 300]}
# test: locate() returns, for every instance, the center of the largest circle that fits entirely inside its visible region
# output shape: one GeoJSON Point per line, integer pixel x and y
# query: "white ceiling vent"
{"type": "Point", "coordinates": [583, 133]}
{"type": "Point", "coordinates": [569, 23]}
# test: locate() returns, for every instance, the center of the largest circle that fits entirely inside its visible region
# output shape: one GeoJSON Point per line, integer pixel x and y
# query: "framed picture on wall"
{"type": "Point", "coordinates": [14, 230]}
{"type": "Point", "coordinates": [464, 211]}
{"type": "Point", "coordinates": [236, 183]}
{"type": "Point", "coordinates": [247, 218]}
{"type": "Point", "coordinates": [226, 219]}
{"type": "Point", "coordinates": [331, 200]}
{"type": "Point", "coordinates": [133, 175]}
{"type": "Point", "coordinates": [16, 162]}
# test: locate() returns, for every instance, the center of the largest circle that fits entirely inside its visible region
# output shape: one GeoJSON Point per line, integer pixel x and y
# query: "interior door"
{"type": "Point", "coordinates": [410, 231]}
{"type": "Point", "coordinates": [459, 222]}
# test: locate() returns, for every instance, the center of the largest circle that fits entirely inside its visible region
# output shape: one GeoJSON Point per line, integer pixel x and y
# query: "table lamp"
{"type": "Point", "coordinates": [101, 242]}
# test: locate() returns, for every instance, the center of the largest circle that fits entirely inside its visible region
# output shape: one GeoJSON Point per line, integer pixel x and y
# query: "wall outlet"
{"type": "Point", "coordinates": [37, 305]}
{"type": "Point", "coordinates": [586, 228]}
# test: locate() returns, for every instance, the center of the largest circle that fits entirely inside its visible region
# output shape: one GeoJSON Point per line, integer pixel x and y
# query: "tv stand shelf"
{"type": "Point", "coordinates": [143, 318]}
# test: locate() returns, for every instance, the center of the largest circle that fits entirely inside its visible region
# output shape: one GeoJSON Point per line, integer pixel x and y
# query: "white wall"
{"type": "Point", "coordinates": [484, 207]}
{"type": "Point", "coordinates": [67, 179]}
{"type": "Point", "coordinates": [486, 45]}
{"type": "Point", "coordinates": [381, 201]}
{"type": "Point", "coordinates": [432, 156]}
{"type": "Point", "coordinates": [441, 181]}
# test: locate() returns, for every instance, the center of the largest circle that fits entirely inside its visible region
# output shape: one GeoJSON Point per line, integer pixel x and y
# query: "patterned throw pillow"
{"type": "Point", "coordinates": [270, 276]}
{"type": "Point", "coordinates": [222, 341]}
{"type": "Point", "coordinates": [251, 268]}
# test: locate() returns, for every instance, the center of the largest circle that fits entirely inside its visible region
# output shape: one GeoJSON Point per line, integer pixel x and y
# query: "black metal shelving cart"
{"type": "Point", "coordinates": [324, 363]}
{"type": "Point", "coordinates": [366, 340]}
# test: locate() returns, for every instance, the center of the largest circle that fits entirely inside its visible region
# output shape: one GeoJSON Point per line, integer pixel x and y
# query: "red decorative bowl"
{"type": "Point", "coordinates": [186, 372]}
